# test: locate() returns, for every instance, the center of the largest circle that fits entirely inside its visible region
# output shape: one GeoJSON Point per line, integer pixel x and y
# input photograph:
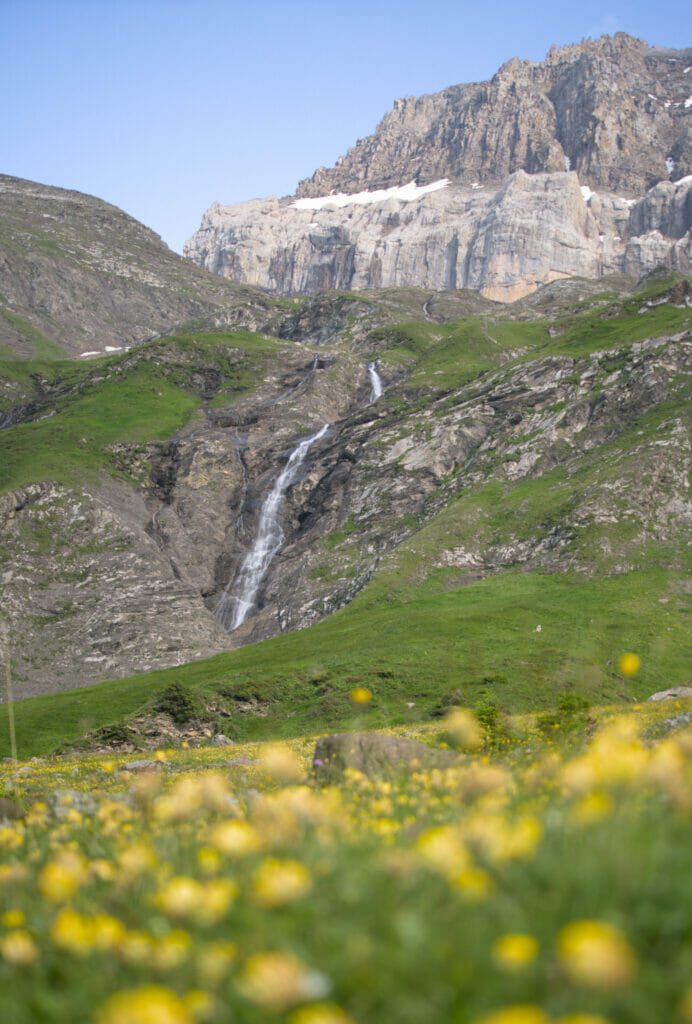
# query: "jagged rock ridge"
{"type": "Point", "coordinates": [579, 165]}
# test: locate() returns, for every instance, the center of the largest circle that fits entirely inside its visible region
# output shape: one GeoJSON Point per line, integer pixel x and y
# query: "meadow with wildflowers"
{"type": "Point", "coordinates": [543, 878]}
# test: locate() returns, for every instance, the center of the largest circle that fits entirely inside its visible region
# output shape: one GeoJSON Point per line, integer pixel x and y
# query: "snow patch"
{"type": "Point", "coordinates": [568, 164]}
{"type": "Point", "coordinates": [586, 192]}
{"type": "Point", "coordinates": [627, 202]}
{"type": "Point", "coordinates": [670, 164]}
{"type": "Point", "coordinates": [83, 355]}
{"type": "Point", "coordinates": [684, 181]}
{"type": "Point", "coordinates": [687, 70]}
{"type": "Point", "coordinates": [114, 348]}
{"type": "Point", "coordinates": [476, 184]}
{"type": "Point", "coordinates": [404, 193]}
{"type": "Point", "coordinates": [688, 102]}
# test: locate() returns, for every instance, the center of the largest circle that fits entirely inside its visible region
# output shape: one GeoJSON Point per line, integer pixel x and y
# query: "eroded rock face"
{"type": "Point", "coordinates": [576, 166]}
{"type": "Point", "coordinates": [503, 242]}
{"type": "Point", "coordinates": [612, 107]}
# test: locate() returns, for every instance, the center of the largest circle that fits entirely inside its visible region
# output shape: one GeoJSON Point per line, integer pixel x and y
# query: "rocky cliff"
{"type": "Point", "coordinates": [547, 436]}
{"type": "Point", "coordinates": [78, 275]}
{"type": "Point", "coordinates": [579, 165]}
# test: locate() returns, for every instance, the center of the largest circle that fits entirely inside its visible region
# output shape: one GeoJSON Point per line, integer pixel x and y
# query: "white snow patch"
{"type": "Point", "coordinates": [651, 96]}
{"type": "Point", "coordinates": [684, 181]}
{"type": "Point", "coordinates": [586, 192]}
{"type": "Point", "coordinates": [687, 70]}
{"type": "Point", "coordinates": [83, 355]}
{"type": "Point", "coordinates": [404, 193]}
{"type": "Point", "coordinates": [114, 348]}
{"type": "Point", "coordinates": [627, 202]}
{"type": "Point", "coordinates": [476, 184]}
{"type": "Point", "coordinates": [568, 164]}
{"type": "Point", "coordinates": [667, 104]}
{"type": "Point", "coordinates": [688, 102]}
{"type": "Point", "coordinates": [670, 164]}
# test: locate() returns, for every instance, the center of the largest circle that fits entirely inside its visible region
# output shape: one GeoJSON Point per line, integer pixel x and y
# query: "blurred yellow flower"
{"type": "Point", "coordinates": [281, 881]}
{"type": "Point", "coordinates": [280, 762]}
{"type": "Point", "coordinates": [13, 918]}
{"type": "Point", "coordinates": [596, 954]}
{"type": "Point", "coordinates": [320, 1013]}
{"type": "Point", "coordinates": [513, 951]}
{"type": "Point", "coordinates": [151, 1004]}
{"type": "Point", "coordinates": [18, 948]}
{"type": "Point", "coordinates": [629, 664]}
{"type": "Point", "coordinates": [235, 838]}
{"type": "Point", "coordinates": [464, 727]}
{"type": "Point", "coordinates": [277, 981]}
{"type": "Point", "coordinates": [360, 695]}
{"type": "Point", "coordinates": [60, 878]}
{"type": "Point", "coordinates": [213, 960]}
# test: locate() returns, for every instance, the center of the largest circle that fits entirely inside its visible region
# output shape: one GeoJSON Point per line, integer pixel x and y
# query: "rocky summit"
{"type": "Point", "coordinates": [580, 165]}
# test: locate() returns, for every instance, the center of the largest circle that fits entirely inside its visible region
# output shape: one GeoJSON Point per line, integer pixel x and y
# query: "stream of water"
{"type": "Point", "coordinates": [238, 599]}
{"type": "Point", "coordinates": [375, 382]}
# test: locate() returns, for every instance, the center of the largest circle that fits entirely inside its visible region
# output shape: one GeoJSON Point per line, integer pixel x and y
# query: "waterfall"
{"type": "Point", "coordinates": [375, 382]}
{"type": "Point", "coordinates": [233, 608]}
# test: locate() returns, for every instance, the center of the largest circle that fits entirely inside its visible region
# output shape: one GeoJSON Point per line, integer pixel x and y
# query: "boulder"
{"type": "Point", "coordinates": [375, 755]}
{"type": "Point", "coordinates": [674, 693]}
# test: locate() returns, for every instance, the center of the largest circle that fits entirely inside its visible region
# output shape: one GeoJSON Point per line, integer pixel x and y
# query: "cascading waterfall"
{"type": "Point", "coordinates": [238, 598]}
{"type": "Point", "coordinates": [375, 382]}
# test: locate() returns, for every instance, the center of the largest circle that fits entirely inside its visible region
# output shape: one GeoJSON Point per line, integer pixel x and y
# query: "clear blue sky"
{"type": "Point", "coordinates": [163, 106]}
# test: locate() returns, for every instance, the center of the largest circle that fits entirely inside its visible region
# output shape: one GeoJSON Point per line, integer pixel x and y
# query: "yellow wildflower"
{"type": "Point", "coordinates": [13, 918]}
{"type": "Point", "coordinates": [10, 838]}
{"type": "Point", "coordinates": [514, 951]}
{"type": "Point", "coordinates": [213, 960]}
{"type": "Point", "coordinates": [279, 761]}
{"type": "Point", "coordinates": [320, 1013]}
{"type": "Point", "coordinates": [685, 1007]}
{"type": "Point", "coordinates": [596, 954]}
{"type": "Point", "coordinates": [361, 695]}
{"type": "Point", "coordinates": [629, 664]}
{"type": "Point", "coordinates": [276, 981]}
{"type": "Point", "coordinates": [281, 881]}
{"type": "Point", "coordinates": [60, 878]}
{"type": "Point", "coordinates": [464, 728]}
{"type": "Point", "coordinates": [73, 932]}
{"type": "Point", "coordinates": [151, 1004]}
{"type": "Point", "coordinates": [583, 1018]}
{"type": "Point", "coordinates": [172, 950]}
{"type": "Point", "coordinates": [235, 838]}
{"type": "Point", "coordinates": [18, 948]}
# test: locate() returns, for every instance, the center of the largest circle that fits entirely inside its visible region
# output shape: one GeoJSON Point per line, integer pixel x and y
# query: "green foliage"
{"type": "Point", "coordinates": [178, 701]}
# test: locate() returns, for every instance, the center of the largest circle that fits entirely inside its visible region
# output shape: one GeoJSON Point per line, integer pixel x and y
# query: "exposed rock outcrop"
{"type": "Point", "coordinates": [504, 243]}
{"type": "Point", "coordinates": [576, 166]}
{"type": "Point", "coordinates": [612, 107]}
{"type": "Point", "coordinates": [78, 275]}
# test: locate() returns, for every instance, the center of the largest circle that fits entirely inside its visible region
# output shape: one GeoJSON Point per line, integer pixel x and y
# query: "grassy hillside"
{"type": "Point", "coordinates": [142, 396]}
{"type": "Point", "coordinates": [440, 642]}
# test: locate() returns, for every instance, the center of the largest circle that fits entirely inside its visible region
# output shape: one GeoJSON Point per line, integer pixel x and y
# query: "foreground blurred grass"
{"type": "Point", "coordinates": [536, 881]}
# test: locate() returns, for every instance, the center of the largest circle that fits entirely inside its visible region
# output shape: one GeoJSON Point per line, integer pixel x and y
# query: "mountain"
{"type": "Point", "coordinates": [580, 165]}
{"type": "Point", "coordinates": [517, 451]}
{"type": "Point", "coordinates": [78, 275]}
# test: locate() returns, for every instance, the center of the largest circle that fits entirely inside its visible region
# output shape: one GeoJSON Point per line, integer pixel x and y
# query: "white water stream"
{"type": "Point", "coordinates": [375, 382]}
{"type": "Point", "coordinates": [238, 598]}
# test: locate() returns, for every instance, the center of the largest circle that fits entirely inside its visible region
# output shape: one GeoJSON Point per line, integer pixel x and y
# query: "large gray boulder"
{"type": "Point", "coordinates": [375, 755]}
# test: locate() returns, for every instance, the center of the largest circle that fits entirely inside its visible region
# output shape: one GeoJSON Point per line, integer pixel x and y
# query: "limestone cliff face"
{"type": "Point", "coordinates": [502, 242]}
{"type": "Point", "coordinates": [613, 107]}
{"type": "Point", "coordinates": [579, 165]}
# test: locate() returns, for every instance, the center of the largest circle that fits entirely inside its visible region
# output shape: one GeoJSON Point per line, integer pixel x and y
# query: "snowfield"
{"type": "Point", "coordinates": [405, 193]}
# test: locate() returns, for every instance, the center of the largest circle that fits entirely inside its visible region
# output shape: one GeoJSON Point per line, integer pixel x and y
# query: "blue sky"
{"type": "Point", "coordinates": [163, 106]}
